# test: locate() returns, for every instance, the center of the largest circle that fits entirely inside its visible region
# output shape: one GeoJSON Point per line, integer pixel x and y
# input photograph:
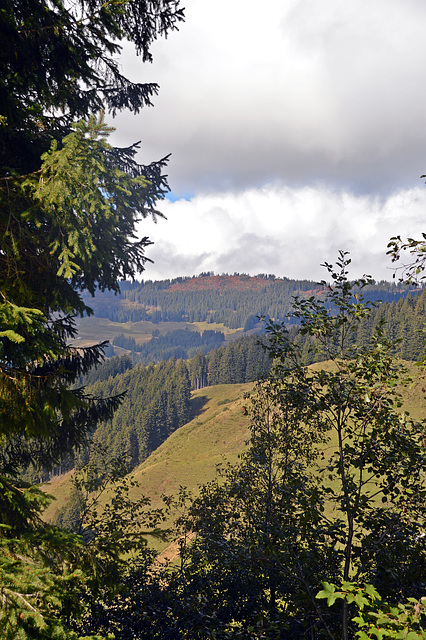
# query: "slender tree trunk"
{"type": "Point", "coordinates": [349, 517]}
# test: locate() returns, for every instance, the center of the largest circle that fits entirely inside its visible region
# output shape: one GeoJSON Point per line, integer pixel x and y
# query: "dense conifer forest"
{"type": "Point", "coordinates": [403, 317]}
{"type": "Point", "coordinates": [156, 398]}
{"type": "Point", "coordinates": [179, 343]}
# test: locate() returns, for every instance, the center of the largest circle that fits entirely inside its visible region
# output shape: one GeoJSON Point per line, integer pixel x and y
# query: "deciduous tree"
{"type": "Point", "coordinates": [332, 483]}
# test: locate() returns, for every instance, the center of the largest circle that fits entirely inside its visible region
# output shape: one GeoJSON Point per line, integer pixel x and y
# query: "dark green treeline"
{"type": "Point", "coordinates": [180, 343]}
{"type": "Point", "coordinates": [156, 404]}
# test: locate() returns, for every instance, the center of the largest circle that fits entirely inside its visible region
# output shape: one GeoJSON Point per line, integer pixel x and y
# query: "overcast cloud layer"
{"type": "Point", "coordinates": [296, 128]}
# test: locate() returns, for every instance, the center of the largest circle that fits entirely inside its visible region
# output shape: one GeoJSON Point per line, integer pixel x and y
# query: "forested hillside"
{"type": "Point", "coordinates": [155, 405]}
{"type": "Point", "coordinates": [403, 324]}
{"type": "Point", "coordinates": [234, 301]}
{"type": "Point", "coordinates": [235, 304]}
{"type": "Point", "coordinates": [179, 343]}
{"type": "Point", "coordinates": [314, 526]}
{"type": "Point", "coordinates": [403, 318]}
{"type": "Point", "coordinates": [155, 399]}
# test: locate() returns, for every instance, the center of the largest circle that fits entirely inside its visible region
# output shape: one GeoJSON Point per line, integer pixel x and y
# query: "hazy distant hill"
{"type": "Point", "coordinates": [154, 321]}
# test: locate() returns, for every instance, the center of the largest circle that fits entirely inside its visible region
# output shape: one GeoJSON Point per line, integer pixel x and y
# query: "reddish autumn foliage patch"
{"type": "Point", "coordinates": [222, 283]}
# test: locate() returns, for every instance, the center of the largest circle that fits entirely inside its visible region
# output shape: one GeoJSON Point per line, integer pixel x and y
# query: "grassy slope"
{"type": "Point", "coordinates": [413, 395]}
{"type": "Point", "coordinates": [216, 432]}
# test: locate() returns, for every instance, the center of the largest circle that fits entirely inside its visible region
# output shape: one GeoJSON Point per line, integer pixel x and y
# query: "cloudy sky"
{"type": "Point", "coordinates": [296, 127]}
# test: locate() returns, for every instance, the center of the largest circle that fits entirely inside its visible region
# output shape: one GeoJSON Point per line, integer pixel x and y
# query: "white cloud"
{"type": "Point", "coordinates": [296, 129]}
{"type": "Point", "coordinates": [281, 230]}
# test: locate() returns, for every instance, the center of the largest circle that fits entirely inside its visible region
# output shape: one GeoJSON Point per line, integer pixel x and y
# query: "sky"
{"type": "Point", "coordinates": [297, 128]}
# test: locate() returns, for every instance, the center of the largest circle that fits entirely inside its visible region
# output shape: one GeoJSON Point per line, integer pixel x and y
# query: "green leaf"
{"type": "Point", "coordinates": [372, 592]}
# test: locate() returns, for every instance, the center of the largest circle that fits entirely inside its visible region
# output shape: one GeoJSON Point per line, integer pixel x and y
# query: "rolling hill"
{"type": "Point", "coordinates": [217, 431]}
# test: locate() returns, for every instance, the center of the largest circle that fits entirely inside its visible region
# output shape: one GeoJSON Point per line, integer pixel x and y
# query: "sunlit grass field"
{"type": "Point", "coordinates": [216, 433]}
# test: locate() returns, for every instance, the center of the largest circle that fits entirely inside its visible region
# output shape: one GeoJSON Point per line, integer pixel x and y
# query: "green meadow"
{"type": "Point", "coordinates": [216, 433]}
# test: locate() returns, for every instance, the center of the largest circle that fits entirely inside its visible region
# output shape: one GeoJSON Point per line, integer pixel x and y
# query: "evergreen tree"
{"type": "Point", "coordinates": [69, 206]}
{"type": "Point", "coordinates": [198, 371]}
{"type": "Point", "coordinates": [214, 364]}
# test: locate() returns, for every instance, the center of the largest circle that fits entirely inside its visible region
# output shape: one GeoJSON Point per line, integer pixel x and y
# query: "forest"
{"type": "Point", "coordinates": [403, 319]}
{"type": "Point", "coordinates": [234, 301]}
{"type": "Point", "coordinates": [157, 398]}
{"type": "Point", "coordinates": [317, 530]}
{"type": "Point", "coordinates": [179, 343]}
